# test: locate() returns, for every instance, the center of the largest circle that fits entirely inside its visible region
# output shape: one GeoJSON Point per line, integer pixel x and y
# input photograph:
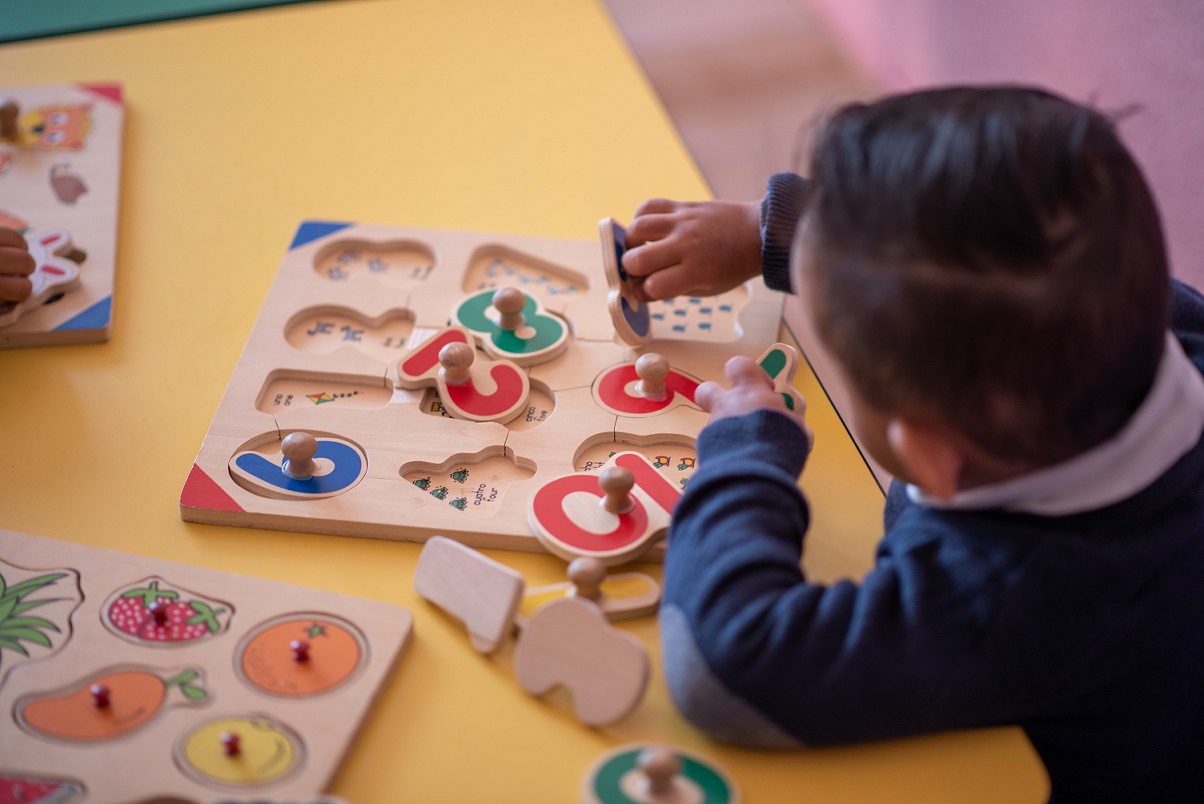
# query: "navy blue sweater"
{"type": "Point", "coordinates": [1086, 630]}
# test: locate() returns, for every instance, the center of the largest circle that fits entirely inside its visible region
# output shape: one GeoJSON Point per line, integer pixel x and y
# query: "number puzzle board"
{"type": "Point", "coordinates": [350, 300]}
{"type": "Point", "coordinates": [59, 185]}
{"type": "Point", "coordinates": [221, 661]}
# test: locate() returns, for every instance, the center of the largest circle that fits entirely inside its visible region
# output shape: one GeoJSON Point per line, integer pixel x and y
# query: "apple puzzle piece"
{"type": "Point", "coordinates": [569, 643]}
{"type": "Point", "coordinates": [472, 587]}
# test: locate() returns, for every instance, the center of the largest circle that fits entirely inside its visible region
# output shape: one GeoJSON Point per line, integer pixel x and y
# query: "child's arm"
{"type": "Point", "coordinates": [755, 654]}
{"type": "Point", "coordinates": [707, 247]}
{"type": "Point", "coordinates": [16, 263]}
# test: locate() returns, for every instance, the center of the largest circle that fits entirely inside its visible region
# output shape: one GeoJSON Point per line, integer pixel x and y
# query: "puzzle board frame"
{"type": "Point", "coordinates": [381, 275]}
{"type": "Point", "coordinates": [144, 764]}
{"type": "Point", "coordinates": [83, 200]}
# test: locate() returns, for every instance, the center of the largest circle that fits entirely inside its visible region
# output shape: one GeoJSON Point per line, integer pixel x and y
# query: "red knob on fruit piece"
{"type": "Point", "coordinates": [231, 743]}
{"type": "Point", "coordinates": [100, 695]}
{"type": "Point", "coordinates": [158, 612]}
{"type": "Point", "coordinates": [300, 650]}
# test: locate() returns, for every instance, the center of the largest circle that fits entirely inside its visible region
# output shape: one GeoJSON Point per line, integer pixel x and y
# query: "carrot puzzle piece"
{"type": "Point", "coordinates": [614, 516]}
{"type": "Point", "coordinates": [106, 705]}
{"type": "Point", "coordinates": [519, 329]}
{"type": "Point", "coordinates": [472, 587]}
{"type": "Point", "coordinates": [569, 643]}
{"type": "Point", "coordinates": [630, 315]}
{"type": "Point", "coordinates": [656, 774]}
{"type": "Point", "coordinates": [54, 274]}
{"type": "Point", "coordinates": [478, 390]}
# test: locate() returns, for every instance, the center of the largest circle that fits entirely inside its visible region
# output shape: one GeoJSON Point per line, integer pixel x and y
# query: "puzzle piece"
{"type": "Point", "coordinates": [54, 274]}
{"type": "Point", "coordinates": [338, 465]}
{"type": "Point", "coordinates": [780, 362]}
{"type": "Point", "coordinates": [482, 593]}
{"type": "Point", "coordinates": [569, 517]}
{"type": "Point", "coordinates": [654, 774]}
{"type": "Point", "coordinates": [472, 389]}
{"type": "Point", "coordinates": [569, 643]}
{"type": "Point", "coordinates": [621, 596]}
{"type": "Point", "coordinates": [644, 388]}
{"type": "Point", "coordinates": [630, 315]}
{"type": "Point", "coordinates": [523, 332]}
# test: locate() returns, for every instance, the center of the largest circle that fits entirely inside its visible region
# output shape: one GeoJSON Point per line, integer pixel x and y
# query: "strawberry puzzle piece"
{"type": "Point", "coordinates": [152, 612]}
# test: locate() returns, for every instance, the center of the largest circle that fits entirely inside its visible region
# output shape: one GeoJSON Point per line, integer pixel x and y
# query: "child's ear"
{"type": "Point", "coordinates": [929, 454]}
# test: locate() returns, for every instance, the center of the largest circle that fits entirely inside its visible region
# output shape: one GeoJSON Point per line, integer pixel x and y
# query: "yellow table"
{"type": "Point", "coordinates": [528, 117]}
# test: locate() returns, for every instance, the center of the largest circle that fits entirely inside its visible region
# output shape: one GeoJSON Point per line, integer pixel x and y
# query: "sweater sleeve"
{"type": "Point", "coordinates": [781, 208]}
{"type": "Point", "coordinates": [755, 654]}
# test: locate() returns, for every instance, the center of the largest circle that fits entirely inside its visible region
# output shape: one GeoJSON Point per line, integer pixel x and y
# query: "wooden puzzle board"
{"type": "Point", "coordinates": [350, 300]}
{"type": "Point", "coordinates": [64, 175]}
{"type": "Point", "coordinates": [220, 662]}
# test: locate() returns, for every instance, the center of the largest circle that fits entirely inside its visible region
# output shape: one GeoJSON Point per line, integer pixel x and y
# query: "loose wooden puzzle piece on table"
{"type": "Point", "coordinates": [213, 686]}
{"type": "Point", "coordinates": [620, 595]}
{"type": "Point", "coordinates": [569, 643]}
{"type": "Point", "coordinates": [346, 349]}
{"type": "Point", "coordinates": [482, 593]}
{"type": "Point", "coordinates": [60, 170]}
{"type": "Point", "coordinates": [656, 774]}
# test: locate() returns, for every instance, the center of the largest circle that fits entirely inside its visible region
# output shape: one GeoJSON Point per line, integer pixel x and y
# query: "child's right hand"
{"type": "Point", "coordinates": [693, 248]}
{"type": "Point", "coordinates": [751, 389]}
{"type": "Point", "coordinates": [16, 263]}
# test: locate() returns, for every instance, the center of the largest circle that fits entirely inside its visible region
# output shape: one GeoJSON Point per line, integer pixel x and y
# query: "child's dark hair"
{"type": "Point", "coordinates": [991, 257]}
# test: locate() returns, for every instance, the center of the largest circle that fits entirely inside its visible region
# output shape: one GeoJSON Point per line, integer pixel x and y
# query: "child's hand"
{"type": "Point", "coordinates": [694, 248]}
{"type": "Point", "coordinates": [751, 390]}
{"type": "Point", "coordinates": [16, 263]}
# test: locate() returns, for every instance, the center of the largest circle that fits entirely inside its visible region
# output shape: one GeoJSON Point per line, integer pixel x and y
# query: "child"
{"type": "Point", "coordinates": [987, 268]}
{"type": "Point", "coordinates": [16, 264]}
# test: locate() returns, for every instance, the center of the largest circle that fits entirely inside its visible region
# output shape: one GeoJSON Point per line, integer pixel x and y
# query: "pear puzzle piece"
{"type": "Point", "coordinates": [569, 643]}
{"type": "Point", "coordinates": [475, 389]}
{"type": "Point", "coordinates": [482, 593]}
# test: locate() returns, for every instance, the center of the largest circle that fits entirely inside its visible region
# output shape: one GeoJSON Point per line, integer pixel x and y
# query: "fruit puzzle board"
{"type": "Point", "coordinates": [131, 679]}
{"type": "Point", "coordinates": [352, 326]}
{"type": "Point", "coordinates": [59, 185]}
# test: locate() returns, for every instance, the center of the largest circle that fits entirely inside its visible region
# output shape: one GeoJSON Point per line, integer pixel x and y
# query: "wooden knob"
{"type": "Point", "coordinates": [587, 574]}
{"type": "Point", "coordinates": [617, 483]}
{"type": "Point", "coordinates": [510, 302]}
{"type": "Point", "coordinates": [457, 359]}
{"type": "Point", "coordinates": [299, 449]}
{"type": "Point", "coordinates": [660, 767]}
{"type": "Point", "coordinates": [652, 369]}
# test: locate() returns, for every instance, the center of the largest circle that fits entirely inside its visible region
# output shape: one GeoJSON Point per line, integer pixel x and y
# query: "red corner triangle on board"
{"type": "Point", "coordinates": [110, 91]}
{"type": "Point", "coordinates": [200, 491]}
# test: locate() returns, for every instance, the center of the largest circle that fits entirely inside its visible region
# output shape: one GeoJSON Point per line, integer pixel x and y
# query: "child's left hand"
{"type": "Point", "coordinates": [751, 390]}
{"type": "Point", "coordinates": [16, 263]}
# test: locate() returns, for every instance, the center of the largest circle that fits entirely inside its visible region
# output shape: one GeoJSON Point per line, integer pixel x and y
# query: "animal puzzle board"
{"type": "Point", "coordinates": [59, 185]}
{"type": "Point", "coordinates": [355, 310]}
{"type": "Point", "coordinates": [130, 679]}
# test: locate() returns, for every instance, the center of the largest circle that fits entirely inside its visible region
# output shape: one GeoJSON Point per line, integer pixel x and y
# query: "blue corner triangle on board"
{"type": "Point", "coordinates": [95, 317]}
{"type": "Point", "coordinates": [310, 231]}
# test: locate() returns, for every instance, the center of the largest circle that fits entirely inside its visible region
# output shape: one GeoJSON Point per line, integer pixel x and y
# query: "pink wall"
{"type": "Point", "coordinates": [1113, 52]}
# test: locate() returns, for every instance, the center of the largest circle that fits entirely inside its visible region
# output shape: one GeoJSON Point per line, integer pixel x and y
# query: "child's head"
{"type": "Point", "coordinates": [989, 258]}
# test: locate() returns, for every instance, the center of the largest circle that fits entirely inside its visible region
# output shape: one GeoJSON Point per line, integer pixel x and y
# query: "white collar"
{"type": "Point", "coordinates": [1165, 427]}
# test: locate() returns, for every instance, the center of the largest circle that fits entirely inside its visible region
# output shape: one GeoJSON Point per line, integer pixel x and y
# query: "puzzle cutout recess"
{"type": "Point", "coordinates": [60, 169]}
{"type": "Point", "coordinates": [445, 377]}
{"type": "Point", "coordinates": [212, 686]}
